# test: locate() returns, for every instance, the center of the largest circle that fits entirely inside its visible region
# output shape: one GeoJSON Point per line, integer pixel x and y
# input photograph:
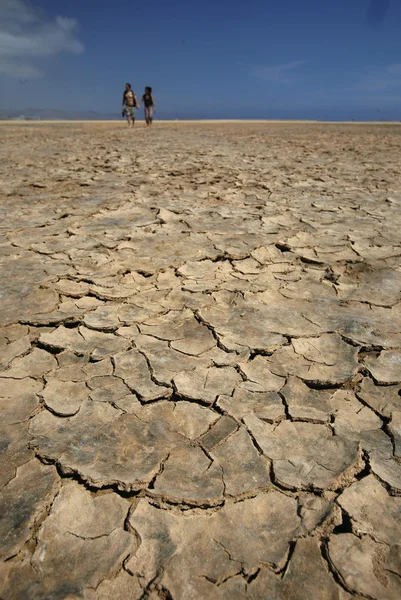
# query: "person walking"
{"type": "Point", "coordinates": [149, 105]}
{"type": "Point", "coordinates": [129, 104]}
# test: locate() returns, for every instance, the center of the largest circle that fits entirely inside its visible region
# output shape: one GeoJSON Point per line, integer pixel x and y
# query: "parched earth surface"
{"type": "Point", "coordinates": [200, 362]}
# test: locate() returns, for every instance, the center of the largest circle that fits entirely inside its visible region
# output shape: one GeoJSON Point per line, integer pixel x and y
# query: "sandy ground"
{"type": "Point", "coordinates": [200, 361]}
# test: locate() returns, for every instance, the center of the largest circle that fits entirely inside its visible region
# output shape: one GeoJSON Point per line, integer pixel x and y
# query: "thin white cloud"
{"type": "Point", "coordinates": [276, 73]}
{"type": "Point", "coordinates": [26, 37]}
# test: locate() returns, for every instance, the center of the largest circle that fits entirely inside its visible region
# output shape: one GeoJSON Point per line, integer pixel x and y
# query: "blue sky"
{"type": "Point", "coordinates": [211, 58]}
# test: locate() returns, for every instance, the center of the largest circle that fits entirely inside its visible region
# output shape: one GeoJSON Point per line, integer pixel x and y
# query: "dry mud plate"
{"type": "Point", "coordinates": [200, 362]}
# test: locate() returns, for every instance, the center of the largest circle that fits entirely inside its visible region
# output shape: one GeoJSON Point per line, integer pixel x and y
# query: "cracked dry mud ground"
{"type": "Point", "coordinates": [200, 360]}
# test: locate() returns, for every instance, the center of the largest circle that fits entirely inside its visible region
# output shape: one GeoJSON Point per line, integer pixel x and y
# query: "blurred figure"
{"type": "Point", "coordinates": [129, 104]}
{"type": "Point", "coordinates": [149, 105]}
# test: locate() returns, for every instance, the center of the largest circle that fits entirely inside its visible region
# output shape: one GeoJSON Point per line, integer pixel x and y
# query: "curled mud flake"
{"type": "Point", "coordinates": [193, 420]}
{"type": "Point", "coordinates": [189, 477]}
{"type": "Point", "coordinates": [101, 368]}
{"type": "Point", "coordinates": [132, 368]}
{"type": "Point", "coordinates": [126, 454]}
{"type": "Point", "coordinates": [257, 371]}
{"type": "Point", "coordinates": [189, 548]}
{"type": "Point", "coordinates": [319, 514]}
{"type": "Point", "coordinates": [84, 534]}
{"type": "Point", "coordinates": [386, 369]}
{"type": "Point", "coordinates": [75, 289]}
{"type": "Point", "coordinates": [252, 327]}
{"type": "Point", "coordinates": [305, 404]}
{"type": "Point", "coordinates": [245, 472]}
{"type": "Point", "coordinates": [306, 577]}
{"type": "Point", "coordinates": [14, 349]}
{"type": "Point", "coordinates": [387, 469]}
{"type": "Point", "coordinates": [395, 432]}
{"type": "Point", "coordinates": [360, 501]}
{"type": "Point", "coordinates": [103, 318]}
{"type": "Point", "coordinates": [63, 338]}
{"type": "Point", "coordinates": [82, 340]}
{"type": "Point", "coordinates": [206, 384]}
{"type": "Point", "coordinates": [102, 345]}
{"type": "Point", "coordinates": [353, 420]}
{"type": "Point", "coordinates": [68, 358]}
{"type": "Point", "coordinates": [24, 299]}
{"type": "Point", "coordinates": [130, 453]}
{"type": "Point", "coordinates": [184, 332]}
{"type": "Point", "coordinates": [330, 359]}
{"type": "Point", "coordinates": [267, 406]}
{"type": "Point", "coordinates": [107, 389]}
{"type": "Point", "coordinates": [382, 399]}
{"type": "Point", "coordinates": [121, 587]}
{"type": "Point", "coordinates": [13, 333]}
{"type": "Point", "coordinates": [364, 282]}
{"type": "Point", "coordinates": [164, 362]}
{"type": "Point", "coordinates": [72, 373]}
{"type": "Point", "coordinates": [64, 398]}
{"type": "Point", "coordinates": [14, 443]}
{"type": "Point", "coordinates": [364, 566]}
{"type": "Point", "coordinates": [305, 455]}
{"type": "Point", "coordinates": [23, 501]}
{"type": "Point", "coordinates": [77, 511]}
{"type": "Point", "coordinates": [21, 409]}
{"type": "Point", "coordinates": [10, 388]}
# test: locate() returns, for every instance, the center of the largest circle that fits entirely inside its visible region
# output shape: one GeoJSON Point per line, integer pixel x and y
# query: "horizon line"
{"type": "Point", "coordinates": [17, 121]}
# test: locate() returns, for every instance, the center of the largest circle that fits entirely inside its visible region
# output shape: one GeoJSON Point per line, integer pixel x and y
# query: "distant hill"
{"type": "Point", "coordinates": [50, 114]}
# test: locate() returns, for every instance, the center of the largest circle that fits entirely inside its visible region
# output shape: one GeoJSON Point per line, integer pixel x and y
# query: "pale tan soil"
{"type": "Point", "coordinates": [200, 361]}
